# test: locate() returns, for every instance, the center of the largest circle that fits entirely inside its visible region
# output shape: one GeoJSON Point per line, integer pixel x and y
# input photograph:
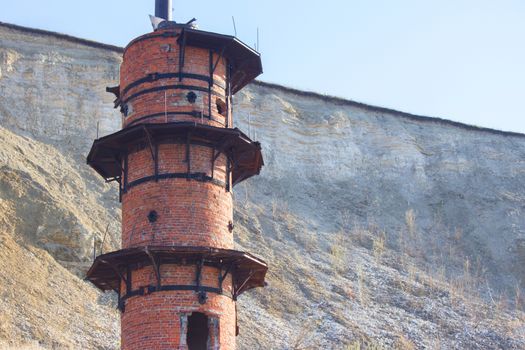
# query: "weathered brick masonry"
{"type": "Point", "coordinates": [176, 160]}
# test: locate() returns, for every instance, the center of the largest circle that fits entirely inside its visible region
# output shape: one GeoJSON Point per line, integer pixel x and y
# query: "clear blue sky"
{"type": "Point", "coordinates": [457, 59]}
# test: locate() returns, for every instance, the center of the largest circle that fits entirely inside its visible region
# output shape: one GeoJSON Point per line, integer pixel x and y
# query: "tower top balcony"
{"type": "Point", "coordinates": [245, 62]}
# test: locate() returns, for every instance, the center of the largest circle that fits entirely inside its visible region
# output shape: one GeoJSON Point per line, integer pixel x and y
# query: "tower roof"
{"type": "Point", "coordinates": [245, 61]}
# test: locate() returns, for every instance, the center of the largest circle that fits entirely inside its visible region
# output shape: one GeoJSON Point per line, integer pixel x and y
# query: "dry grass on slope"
{"type": "Point", "coordinates": [44, 305]}
{"type": "Point", "coordinates": [351, 289]}
{"type": "Point", "coordinates": [56, 203]}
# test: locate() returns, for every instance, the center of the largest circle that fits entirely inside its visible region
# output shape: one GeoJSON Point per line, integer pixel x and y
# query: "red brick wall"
{"type": "Point", "coordinates": [195, 215]}
{"type": "Point", "coordinates": [190, 212]}
{"type": "Point", "coordinates": [161, 55]}
{"type": "Point", "coordinates": [154, 321]}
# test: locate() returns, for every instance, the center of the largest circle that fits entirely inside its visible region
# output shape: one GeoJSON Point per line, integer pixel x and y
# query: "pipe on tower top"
{"type": "Point", "coordinates": [163, 9]}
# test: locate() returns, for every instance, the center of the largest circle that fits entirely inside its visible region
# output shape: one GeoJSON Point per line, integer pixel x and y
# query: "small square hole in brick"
{"type": "Point", "coordinates": [191, 96]}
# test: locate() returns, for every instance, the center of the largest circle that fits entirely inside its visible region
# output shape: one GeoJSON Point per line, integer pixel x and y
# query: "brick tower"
{"type": "Point", "coordinates": [176, 160]}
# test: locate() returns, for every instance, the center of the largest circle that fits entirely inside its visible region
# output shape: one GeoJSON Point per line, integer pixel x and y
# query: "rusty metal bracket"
{"type": "Point", "coordinates": [118, 161]}
{"type": "Point", "coordinates": [128, 280]}
{"type": "Point", "coordinates": [188, 155]}
{"type": "Point", "coordinates": [115, 90]}
{"type": "Point", "coordinates": [198, 274]}
{"type": "Point", "coordinates": [156, 266]}
{"type": "Point", "coordinates": [222, 276]}
{"type": "Point", "coordinates": [125, 184]}
{"type": "Point", "coordinates": [213, 158]}
{"type": "Point", "coordinates": [156, 162]}
{"type": "Point", "coordinates": [217, 61]}
{"type": "Point", "coordinates": [210, 63]}
{"type": "Point", "coordinates": [228, 177]}
{"type": "Point", "coordinates": [115, 269]}
{"type": "Point", "coordinates": [182, 52]}
{"type": "Point", "coordinates": [237, 289]}
{"type": "Point", "coordinates": [150, 142]}
{"type": "Point", "coordinates": [233, 159]}
{"type": "Point", "coordinates": [228, 93]}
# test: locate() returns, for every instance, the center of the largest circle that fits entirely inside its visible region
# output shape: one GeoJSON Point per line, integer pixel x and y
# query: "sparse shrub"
{"type": "Point", "coordinates": [458, 233]}
{"type": "Point", "coordinates": [362, 236]}
{"type": "Point", "coordinates": [306, 338]}
{"type": "Point", "coordinates": [345, 219]}
{"type": "Point", "coordinates": [309, 241]}
{"type": "Point", "coordinates": [337, 253]}
{"type": "Point", "coordinates": [275, 208]}
{"type": "Point", "coordinates": [378, 245]}
{"type": "Point", "coordinates": [361, 285]}
{"type": "Point", "coordinates": [403, 343]}
{"type": "Point", "coordinates": [501, 304]}
{"type": "Point", "coordinates": [410, 221]}
{"type": "Point", "coordinates": [518, 297]}
{"type": "Point", "coordinates": [338, 250]}
{"type": "Point", "coordinates": [365, 345]}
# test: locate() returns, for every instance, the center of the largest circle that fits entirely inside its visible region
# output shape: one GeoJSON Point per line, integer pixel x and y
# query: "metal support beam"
{"type": "Point", "coordinates": [115, 269]}
{"type": "Point", "coordinates": [237, 289]}
{"type": "Point", "coordinates": [222, 276]}
{"type": "Point", "coordinates": [119, 163]}
{"type": "Point", "coordinates": [198, 275]}
{"type": "Point", "coordinates": [223, 144]}
{"type": "Point", "coordinates": [213, 159]}
{"type": "Point", "coordinates": [219, 152]}
{"type": "Point", "coordinates": [211, 80]}
{"type": "Point", "coordinates": [119, 189]}
{"type": "Point", "coordinates": [156, 266]}
{"type": "Point", "coordinates": [125, 185]}
{"type": "Point", "coordinates": [228, 93]}
{"type": "Point", "coordinates": [228, 170]}
{"type": "Point", "coordinates": [234, 160]}
{"type": "Point", "coordinates": [217, 62]}
{"type": "Point", "coordinates": [119, 299]}
{"type": "Point", "coordinates": [128, 280]}
{"type": "Point", "coordinates": [182, 52]}
{"type": "Point", "coordinates": [156, 162]}
{"type": "Point", "coordinates": [188, 155]}
{"type": "Point", "coordinates": [150, 142]}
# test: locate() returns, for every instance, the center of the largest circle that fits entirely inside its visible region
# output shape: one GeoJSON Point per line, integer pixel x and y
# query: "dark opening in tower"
{"type": "Point", "coordinates": [221, 106]}
{"type": "Point", "coordinates": [197, 336]}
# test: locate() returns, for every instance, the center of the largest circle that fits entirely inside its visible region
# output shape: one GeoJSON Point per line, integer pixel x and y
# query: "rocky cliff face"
{"type": "Point", "coordinates": [380, 228]}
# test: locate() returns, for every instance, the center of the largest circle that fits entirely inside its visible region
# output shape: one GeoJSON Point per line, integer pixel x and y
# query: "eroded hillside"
{"type": "Point", "coordinates": [379, 227]}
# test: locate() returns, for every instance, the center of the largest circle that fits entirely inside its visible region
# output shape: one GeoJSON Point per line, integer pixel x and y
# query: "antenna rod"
{"type": "Point", "coordinates": [163, 9]}
{"type": "Point", "coordinates": [234, 27]}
